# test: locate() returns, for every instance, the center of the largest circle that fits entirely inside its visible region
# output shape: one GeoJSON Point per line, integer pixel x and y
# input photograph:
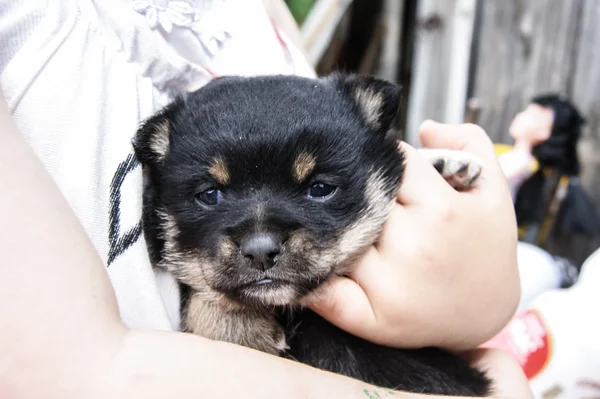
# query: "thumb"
{"type": "Point", "coordinates": [343, 303]}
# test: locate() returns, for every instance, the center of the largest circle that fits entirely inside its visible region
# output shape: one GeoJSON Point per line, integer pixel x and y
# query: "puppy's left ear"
{"type": "Point", "coordinates": [152, 141]}
{"type": "Point", "coordinates": [378, 100]}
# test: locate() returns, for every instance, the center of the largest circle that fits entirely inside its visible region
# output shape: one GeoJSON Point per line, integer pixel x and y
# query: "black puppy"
{"type": "Point", "coordinates": [258, 190]}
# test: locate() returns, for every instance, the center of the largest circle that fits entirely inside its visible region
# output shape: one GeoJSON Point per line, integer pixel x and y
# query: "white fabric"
{"type": "Point", "coordinates": [538, 272]}
{"type": "Point", "coordinates": [80, 75]}
{"type": "Point", "coordinates": [560, 353]}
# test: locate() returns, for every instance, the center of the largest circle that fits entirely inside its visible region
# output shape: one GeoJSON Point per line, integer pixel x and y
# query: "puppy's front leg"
{"type": "Point", "coordinates": [239, 326]}
{"type": "Point", "coordinates": [460, 168]}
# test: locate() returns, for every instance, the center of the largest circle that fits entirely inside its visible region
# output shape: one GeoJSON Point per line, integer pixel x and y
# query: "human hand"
{"type": "Point", "coordinates": [444, 272]}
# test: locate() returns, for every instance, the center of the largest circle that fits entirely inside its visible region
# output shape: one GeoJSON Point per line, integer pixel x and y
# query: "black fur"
{"type": "Point", "coordinates": [258, 127]}
{"type": "Point", "coordinates": [314, 341]}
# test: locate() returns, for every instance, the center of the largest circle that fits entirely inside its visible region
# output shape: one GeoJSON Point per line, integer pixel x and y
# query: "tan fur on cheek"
{"type": "Point", "coordinates": [159, 141]}
{"type": "Point", "coordinates": [365, 231]}
{"type": "Point", "coordinates": [227, 247]}
{"type": "Point", "coordinates": [354, 240]}
{"type": "Point", "coordinates": [303, 166]}
{"type": "Point", "coordinates": [299, 242]}
{"type": "Point", "coordinates": [188, 267]}
{"type": "Point", "coordinates": [219, 171]}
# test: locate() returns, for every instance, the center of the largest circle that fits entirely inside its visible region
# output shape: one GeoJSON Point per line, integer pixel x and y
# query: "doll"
{"type": "Point", "coordinates": [543, 172]}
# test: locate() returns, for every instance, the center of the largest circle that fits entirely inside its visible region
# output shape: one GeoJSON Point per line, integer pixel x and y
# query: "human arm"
{"type": "Point", "coordinates": [444, 272]}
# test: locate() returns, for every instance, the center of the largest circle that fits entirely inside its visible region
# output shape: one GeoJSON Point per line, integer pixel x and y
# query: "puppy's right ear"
{"type": "Point", "coordinates": [153, 138]}
{"type": "Point", "coordinates": [378, 100]}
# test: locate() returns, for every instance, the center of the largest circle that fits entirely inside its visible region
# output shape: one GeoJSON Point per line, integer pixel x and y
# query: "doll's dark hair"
{"type": "Point", "coordinates": [577, 213]}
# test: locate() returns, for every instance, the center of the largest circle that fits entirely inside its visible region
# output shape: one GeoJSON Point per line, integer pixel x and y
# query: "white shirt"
{"type": "Point", "coordinates": [80, 75]}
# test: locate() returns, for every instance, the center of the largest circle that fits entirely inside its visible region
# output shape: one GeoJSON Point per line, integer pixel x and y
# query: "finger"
{"type": "Point", "coordinates": [421, 182]}
{"type": "Point", "coordinates": [508, 379]}
{"type": "Point", "coordinates": [345, 304]}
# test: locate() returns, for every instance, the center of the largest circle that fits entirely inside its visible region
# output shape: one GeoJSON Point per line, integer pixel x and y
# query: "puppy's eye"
{"type": "Point", "coordinates": [321, 190]}
{"type": "Point", "coordinates": [210, 197]}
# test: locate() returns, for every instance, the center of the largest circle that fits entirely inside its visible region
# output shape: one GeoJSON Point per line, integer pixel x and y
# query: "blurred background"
{"type": "Point", "coordinates": [479, 61]}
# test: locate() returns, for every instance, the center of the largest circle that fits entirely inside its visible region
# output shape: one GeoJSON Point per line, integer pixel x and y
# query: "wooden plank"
{"type": "Point", "coordinates": [390, 55]}
{"type": "Point", "coordinates": [462, 36]}
{"type": "Point", "coordinates": [525, 48]}
{"type": "Point", "coordinates": [441, 60]}
{"type": "Point", "coordinates": [586, 93]}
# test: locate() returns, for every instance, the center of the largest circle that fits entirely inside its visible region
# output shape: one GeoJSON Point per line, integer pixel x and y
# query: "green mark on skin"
{"type": "Point", "coordinates": [375, 394]}
{"type": "Point", "coordinates": [366, 391]}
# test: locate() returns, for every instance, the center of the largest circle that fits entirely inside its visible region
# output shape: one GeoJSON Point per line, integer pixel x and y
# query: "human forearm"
{"type": "Point", "coordinates": [55, 298]}
{"type": "Point", "coordinates": [170, 365]}
{"type": "Point", "coordinates": [165, 365]}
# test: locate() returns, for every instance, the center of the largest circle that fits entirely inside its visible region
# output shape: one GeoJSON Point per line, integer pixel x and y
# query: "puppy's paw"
{"type": "Point", "coordinates": [460, 168]}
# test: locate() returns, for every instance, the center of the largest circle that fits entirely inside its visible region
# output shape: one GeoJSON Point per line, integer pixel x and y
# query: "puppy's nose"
{"type": "Point", "coordinates": [260, 250]}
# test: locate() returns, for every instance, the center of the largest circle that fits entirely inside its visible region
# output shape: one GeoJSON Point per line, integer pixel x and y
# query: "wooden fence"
{"type": "Point", "coordinates": [501, 53]}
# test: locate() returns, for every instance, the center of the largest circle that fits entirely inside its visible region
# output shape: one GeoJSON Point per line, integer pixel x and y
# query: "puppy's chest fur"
{"type": "Point", "coordinates": [258, 190]}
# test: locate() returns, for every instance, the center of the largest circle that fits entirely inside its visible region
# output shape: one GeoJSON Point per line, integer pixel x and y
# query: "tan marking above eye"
{"type": "Point", "coordinates": [219, 171]}
{"type": "Point", "coordinates": [303, 166]}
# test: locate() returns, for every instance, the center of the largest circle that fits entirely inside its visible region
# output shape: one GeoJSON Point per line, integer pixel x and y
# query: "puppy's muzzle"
{"type": "Point", "coordinates": [261, 250]}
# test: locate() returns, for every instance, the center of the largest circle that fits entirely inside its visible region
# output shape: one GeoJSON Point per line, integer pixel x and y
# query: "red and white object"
{"type": "Point", "coordinates": [556, 339]}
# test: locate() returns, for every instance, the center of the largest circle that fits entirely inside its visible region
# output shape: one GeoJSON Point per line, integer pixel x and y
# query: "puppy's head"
{"type": "Point", "coordinates": [260, 189]}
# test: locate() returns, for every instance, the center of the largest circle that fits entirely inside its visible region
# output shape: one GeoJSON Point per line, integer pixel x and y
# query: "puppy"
{"type": "Point", "coordinates": [259, 190]}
